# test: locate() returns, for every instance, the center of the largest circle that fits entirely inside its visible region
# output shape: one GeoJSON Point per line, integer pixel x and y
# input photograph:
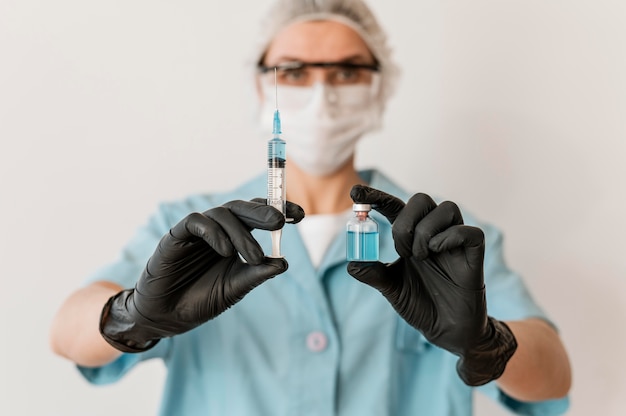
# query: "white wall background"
{"type": "Point", "coordinates": [515, 109]}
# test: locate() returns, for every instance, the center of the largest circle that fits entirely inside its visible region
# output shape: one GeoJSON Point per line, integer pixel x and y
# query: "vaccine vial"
{"type": "Point", "coordinates": [361, 235]}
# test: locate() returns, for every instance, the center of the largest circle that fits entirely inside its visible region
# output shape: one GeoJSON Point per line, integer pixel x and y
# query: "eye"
{"type": "Point", "coordinates": [294, 76]}
{"type": "Point", "coordinates": [350, 75]}
{"type": "Point", "coordinates": [347, 74]}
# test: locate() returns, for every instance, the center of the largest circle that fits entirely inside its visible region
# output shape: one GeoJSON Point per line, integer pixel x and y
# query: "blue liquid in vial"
{"type": "Point", "coordinates": [362, 246]}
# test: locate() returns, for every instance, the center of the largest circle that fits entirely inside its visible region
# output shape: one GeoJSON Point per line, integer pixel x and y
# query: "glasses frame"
{"type": "Point", "coordinates": [263, 69]}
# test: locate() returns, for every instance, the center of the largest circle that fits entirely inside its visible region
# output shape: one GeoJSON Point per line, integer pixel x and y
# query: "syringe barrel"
{"type": "Point", "coordinates": [276, 186]}
{"type": "Point", "coordinates": [276, 151]}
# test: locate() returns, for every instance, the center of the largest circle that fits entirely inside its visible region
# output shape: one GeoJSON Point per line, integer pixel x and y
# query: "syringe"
{"type": "Point", "coordinates": [276, 160]}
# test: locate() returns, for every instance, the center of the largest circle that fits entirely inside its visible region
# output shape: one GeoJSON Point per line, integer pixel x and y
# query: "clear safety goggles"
{"type": "Point", "coordinates": [304, 74]}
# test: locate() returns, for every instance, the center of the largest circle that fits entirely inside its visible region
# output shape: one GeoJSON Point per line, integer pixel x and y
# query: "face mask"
{"type": "Point", "coordinates": [322, 124]}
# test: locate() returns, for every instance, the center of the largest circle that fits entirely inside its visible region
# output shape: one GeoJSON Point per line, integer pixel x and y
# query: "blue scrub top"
{"type": "Point", "coordinates": [313, 342]}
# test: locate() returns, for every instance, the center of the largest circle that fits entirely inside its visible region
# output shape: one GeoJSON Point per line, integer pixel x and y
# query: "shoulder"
{"type": "Point", "coordinates": [174, 210]}
{"type": "Point", "coordinates": [379, 180]}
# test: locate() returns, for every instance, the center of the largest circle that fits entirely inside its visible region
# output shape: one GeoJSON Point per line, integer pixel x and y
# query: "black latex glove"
{"type": "Point", "coordinates": [195, 274]}
{"type": "Point", "coordinates": [437, 284]}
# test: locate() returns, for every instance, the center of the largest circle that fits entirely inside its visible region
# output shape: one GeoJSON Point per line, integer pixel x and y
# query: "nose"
{"type": "Point", "coordinates": [327, 99]}
{"type": "Point", "coordinates": [331, 94]}
{"type": "Point", "coordinates": [319, 75]}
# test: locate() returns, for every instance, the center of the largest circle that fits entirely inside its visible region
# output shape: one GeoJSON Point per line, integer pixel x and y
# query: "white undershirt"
{"type": "Point", "coordinates": [318, 231]}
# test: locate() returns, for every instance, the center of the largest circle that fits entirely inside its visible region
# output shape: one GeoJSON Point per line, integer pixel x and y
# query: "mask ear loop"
{"type": "Point", "coordinates": [377, 100]}
{"type": "Point", "coordinates": [376, 85]}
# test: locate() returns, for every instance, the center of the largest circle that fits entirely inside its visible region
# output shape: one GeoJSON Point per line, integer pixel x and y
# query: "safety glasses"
{"type": "Point", "coordinates": [304, 74]}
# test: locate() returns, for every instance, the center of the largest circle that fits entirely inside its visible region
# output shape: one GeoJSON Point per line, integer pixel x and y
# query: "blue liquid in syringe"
{"type": "Point", "coordinates": [276, 153]}
{"type": "Point", "coordinates": [362, 246]}
{"type": "Point", "coordinates": [276, 186]}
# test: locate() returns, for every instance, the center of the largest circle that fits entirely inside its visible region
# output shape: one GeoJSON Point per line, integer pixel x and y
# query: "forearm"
{"type": "Point", "coordinates": [539, 369]}
{"type": "Point", "coordinates": [74, 333]}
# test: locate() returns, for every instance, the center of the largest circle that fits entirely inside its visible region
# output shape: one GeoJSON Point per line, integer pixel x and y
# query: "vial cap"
{"type": "Point", "coordinates": [361, 207]}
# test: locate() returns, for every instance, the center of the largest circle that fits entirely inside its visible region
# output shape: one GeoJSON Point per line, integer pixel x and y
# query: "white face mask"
{"type": "Point", "coordinates": [322, 124]}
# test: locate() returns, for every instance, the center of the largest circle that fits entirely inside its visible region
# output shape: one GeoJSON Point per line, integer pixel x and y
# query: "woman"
{"type": "Point", "coordinates": [314, 340]}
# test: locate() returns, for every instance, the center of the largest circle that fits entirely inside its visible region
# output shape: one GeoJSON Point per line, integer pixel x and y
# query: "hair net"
{"type": "Point", "coordinates": [353, 13]}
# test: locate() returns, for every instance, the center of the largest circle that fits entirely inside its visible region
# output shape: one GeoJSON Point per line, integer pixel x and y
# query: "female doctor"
{"type": "Point", "coordinates": [412, 334]}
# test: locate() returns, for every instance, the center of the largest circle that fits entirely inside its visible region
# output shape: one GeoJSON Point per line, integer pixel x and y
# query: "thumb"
{"type": "Point", "coordinates": [254, 275]}
{"type": "Point", "coordinates": [386, 204]}
{"type": "Point", "coordinates": [374, 274]}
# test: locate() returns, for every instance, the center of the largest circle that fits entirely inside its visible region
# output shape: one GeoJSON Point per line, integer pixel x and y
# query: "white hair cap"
{"type": "Point", "coordinates": [353, 13]}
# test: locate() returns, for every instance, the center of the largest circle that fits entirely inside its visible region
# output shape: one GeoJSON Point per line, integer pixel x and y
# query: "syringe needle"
{"type": "Point", "coordinates": [276, 87]}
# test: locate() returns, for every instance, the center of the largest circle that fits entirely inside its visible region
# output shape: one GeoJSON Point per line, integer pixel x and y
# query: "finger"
{"type": "Point", "coordinates": [374, 274]}
{"type": "Point", "coordinates": [197, 226]}
{"type": "Point", "coordinates": [254, 275]}
{"type": "Point", "coordinates": [444, 216]}
{"type": "Point", "coordinates": [472, 239]}
{"type": "Point", "coordinates": [256, 215]}
{"type": "Point", "coordinates": [294, 213]}
{"type": "Point", "coordinates": [238, 233]}
{"type": "Point", "coordinates": [404, 227]}
{"type": "Point", "coordinates": [386, 204]}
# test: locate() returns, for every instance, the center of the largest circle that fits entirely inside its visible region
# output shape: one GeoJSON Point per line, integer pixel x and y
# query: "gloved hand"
{"type": "Point", "coordinates": [195, 274]}
{"type": "Point", "coordinates": [437, 284]}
